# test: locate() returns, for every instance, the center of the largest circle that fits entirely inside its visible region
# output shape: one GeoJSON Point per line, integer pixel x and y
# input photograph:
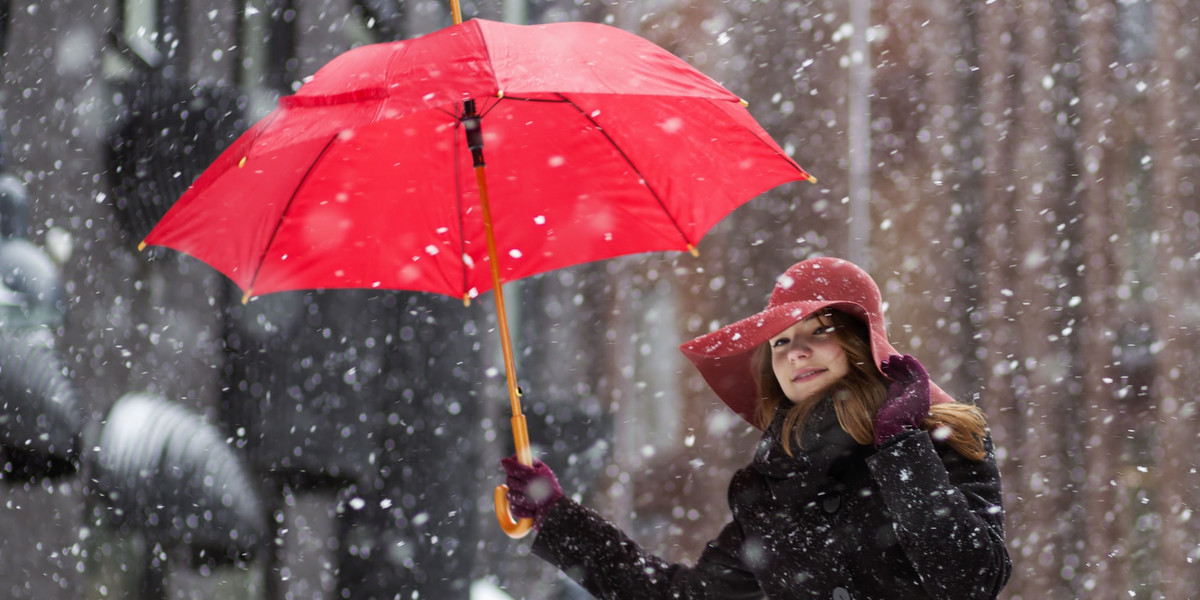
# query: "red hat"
{"type": "Point", "coordinates": [723, 356]}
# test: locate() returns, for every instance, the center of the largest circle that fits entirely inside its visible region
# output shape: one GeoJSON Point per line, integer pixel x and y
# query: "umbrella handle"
{"type": "Point", "coordinates": [512, 527]}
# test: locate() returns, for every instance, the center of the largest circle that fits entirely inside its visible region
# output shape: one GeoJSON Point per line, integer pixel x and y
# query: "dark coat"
{"type": "Point", "coordinates": [842, 520]}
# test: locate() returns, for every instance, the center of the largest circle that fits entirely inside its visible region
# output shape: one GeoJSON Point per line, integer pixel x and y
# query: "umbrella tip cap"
{"type": "Point", "coordinates": [246, 296]}
{"type": "Point", "coordinates": [811, 179]}
{"type": "Point", "coordinates": [466, 300]}
{"type": "Point", "coordinates": [141, 245]}
{"type": "Point", "coordinates": [692, 249]}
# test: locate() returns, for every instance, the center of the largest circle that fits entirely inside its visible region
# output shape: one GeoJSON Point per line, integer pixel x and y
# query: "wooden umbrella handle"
{"type": "Point", "coordinates": [515, 528]}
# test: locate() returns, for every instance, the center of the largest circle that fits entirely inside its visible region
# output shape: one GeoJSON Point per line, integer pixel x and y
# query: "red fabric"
{"type": "Point", "coordinates": [723, 356]}
{"type": "Point", "coordinates": [597, 143]}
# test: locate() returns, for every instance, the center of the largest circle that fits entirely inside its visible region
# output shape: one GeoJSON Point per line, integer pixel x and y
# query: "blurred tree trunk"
{"type": "Point", "coordinates": [924, 163]}
{"type": "Point", "coordinates": [1044, 366]}
{"type": "Point", "coordinates": [1105, 557]}
{"type": "Point", "coordinates": [996, 332]}
{"type": "Point", "coordinates": [1175, 381]}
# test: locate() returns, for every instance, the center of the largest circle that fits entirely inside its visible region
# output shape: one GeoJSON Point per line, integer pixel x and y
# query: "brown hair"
{"type": "Point", "coordinates": [859, 394]}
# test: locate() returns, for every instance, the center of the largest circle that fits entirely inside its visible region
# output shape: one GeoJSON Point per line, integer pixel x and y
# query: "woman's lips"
{"type": "Point", "coordinates": [806, 374]}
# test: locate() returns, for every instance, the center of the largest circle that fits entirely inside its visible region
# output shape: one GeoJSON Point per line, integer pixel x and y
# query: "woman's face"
{"type": "Point", "coordinates": [807, 358]}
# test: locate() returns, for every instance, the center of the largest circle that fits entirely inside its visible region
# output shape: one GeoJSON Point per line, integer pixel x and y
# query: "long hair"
{"type": "Point", "coordinates": [858, 396]}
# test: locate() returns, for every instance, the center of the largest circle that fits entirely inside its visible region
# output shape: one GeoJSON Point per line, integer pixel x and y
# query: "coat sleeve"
{"type": "Point", "coordinates": [608, 564]}
{"type": "Point", "coordinates": [947, 514]}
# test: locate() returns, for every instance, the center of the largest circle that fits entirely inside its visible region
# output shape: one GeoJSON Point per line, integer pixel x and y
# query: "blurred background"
{"type": "Point", "coordinates": [1018, 176]}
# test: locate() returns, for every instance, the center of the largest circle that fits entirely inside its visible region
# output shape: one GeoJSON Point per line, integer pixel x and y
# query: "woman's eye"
{"type": "Point", "coordinates": [779, 343]}
{"type": "Point", "coordinates": [823, 331]}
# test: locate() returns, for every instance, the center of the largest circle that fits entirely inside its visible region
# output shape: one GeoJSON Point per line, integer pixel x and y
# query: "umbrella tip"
{"type": "Point", "coordinates": [693, 250]}
{"type": "Point", "coordinates": [811, 179]}
{"type": "Point", "coordinates": [246, 296]}
{"type": "Point", "coordinates": [141, 245]}
{"type": "Point", "coordinates": [242, 163]}
{"type": "Point", "coordinates": [743, 102]}
{"type": "Point", "coordinates": [466, 300]}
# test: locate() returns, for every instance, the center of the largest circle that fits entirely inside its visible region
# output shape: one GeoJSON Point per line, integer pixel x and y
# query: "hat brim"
{"type": "Point", "coordinates": [724, 356]}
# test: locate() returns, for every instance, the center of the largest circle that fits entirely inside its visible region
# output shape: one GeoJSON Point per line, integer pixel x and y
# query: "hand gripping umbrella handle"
{"type": "Point", "coordinates": [515, 528]}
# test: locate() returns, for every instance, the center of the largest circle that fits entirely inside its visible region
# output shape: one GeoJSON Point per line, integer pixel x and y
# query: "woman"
{"type": "Point", "coordinates": [869, 482]}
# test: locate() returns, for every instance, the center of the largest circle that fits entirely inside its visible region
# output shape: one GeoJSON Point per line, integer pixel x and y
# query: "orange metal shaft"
{"type": "Point", "coordinates": [512, 527]}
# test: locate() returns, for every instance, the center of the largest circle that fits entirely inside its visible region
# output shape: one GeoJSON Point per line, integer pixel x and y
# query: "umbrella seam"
{"type": "Point", "coordinates": [458, 191]}
{"type": "Point", "coordinates": [487, 53]}
{"type": "Point", "coordinates": [296, 192]}
{"type": "Point", "coordinates": [628, 161]}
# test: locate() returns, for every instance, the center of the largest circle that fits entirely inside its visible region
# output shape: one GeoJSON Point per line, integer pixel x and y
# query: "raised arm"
{"type": "Point", "coordinates": [608, 563]}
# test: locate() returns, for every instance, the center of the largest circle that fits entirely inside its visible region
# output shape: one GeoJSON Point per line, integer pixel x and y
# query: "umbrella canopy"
{"type": "Point", "coordinates": [599, 143]}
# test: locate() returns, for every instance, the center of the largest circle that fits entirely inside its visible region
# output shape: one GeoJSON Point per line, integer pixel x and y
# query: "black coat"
{"type": "Point", "coordinates": [842, 520]}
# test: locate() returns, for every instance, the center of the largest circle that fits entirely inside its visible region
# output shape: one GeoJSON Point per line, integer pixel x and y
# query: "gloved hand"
{"type": "Point", "coordinates": [907, 402]}
{"type": "Point", "coordinates": [532, 491]}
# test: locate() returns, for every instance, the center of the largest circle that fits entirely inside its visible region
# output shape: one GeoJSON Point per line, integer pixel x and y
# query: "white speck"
{"type": "Point", "coordinates": [443, 229]}
{"type": "Point", "coordinates": [431, 250]}
{"type": "Point", "coordinates": [557, 161]}
{"type": "Point", "coordinates": [672, 125]}
{"type": "Point", "coordinates": [357, 503]}
{"type": "Point", "coordinates": [514, 253]}
{"type": "Point", "coordinates": [540, 220]}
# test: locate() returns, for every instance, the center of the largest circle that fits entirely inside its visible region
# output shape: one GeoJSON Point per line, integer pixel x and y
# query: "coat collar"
{"type": "Point", "coordinates": [823, 443]}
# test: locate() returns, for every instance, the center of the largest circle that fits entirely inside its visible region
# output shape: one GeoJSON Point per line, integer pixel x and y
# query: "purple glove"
{"type": "Point", "coordinates": [907, 402]}
{"type": "Point", "coordinates": [532, 491]}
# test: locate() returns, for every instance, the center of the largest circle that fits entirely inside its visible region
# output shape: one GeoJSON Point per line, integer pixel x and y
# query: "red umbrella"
{"type": "Point", "coordinates": [372, 175]}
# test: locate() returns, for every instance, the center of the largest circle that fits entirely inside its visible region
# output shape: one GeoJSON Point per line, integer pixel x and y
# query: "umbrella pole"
{"type": "Point", "coordinates": [513, 527]}
{"type": "Point", "coordinates": [455, 12]}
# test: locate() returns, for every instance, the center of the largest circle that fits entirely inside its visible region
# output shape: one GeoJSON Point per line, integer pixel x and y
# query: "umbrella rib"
{"type": "Point", "coordinates": [645, 181]}
{"type": "Point", "coordinates": [263, 257]}
{"type": "Point", "coordinates": [462, 230]}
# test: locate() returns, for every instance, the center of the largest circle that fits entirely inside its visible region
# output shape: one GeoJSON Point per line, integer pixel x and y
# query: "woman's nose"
{"type": "Point", "coordinates": [799, 350]}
